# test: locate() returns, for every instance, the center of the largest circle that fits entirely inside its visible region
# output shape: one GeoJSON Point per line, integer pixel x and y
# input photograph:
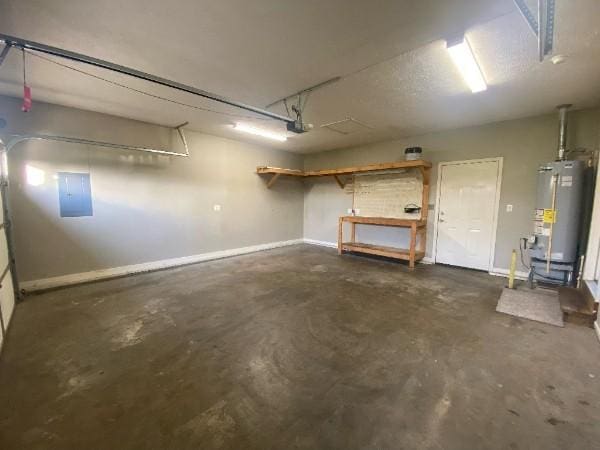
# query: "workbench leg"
{"type": "Point", "coordinates": [413, 244]}
{"type": "Point", "coordinates": [340, 235]}
{"type": "Point", "coordinates": [423, 239]}
{"type": "Point", "coordinates": [353, 236]}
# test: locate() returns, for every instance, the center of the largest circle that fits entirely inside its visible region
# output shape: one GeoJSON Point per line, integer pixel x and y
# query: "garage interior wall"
{"type": "Point", "coordinates": [523, 144]}
{"type": "Point", "coordinates": [151, 208]}
{"type": "Point", "coordinates": [145, 207]}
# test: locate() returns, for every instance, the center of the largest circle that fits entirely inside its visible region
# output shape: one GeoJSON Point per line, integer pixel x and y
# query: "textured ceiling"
{"type": "Point", "coordinates": [396, 74]}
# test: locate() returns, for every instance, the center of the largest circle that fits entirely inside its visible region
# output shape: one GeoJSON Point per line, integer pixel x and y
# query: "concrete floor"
{"type": "Point", "coordinates": [294, 348]}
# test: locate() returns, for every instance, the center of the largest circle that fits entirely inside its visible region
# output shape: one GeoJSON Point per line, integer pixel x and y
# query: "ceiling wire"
{"type": "Point", "coordinates": [139, 91]}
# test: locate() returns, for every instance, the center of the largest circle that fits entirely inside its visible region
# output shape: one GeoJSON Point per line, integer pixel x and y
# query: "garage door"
{"type": "Point", "coordinates": [7, 295]}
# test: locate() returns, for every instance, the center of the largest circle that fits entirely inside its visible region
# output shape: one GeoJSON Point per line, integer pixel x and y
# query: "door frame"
{"type": "Point", "coordinates": [438, 191]}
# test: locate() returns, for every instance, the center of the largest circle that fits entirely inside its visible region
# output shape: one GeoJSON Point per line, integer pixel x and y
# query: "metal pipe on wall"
{"type": "Point", "coordinates": [553, 209]}
{"type": "Point", "coordinates": [562, 130]}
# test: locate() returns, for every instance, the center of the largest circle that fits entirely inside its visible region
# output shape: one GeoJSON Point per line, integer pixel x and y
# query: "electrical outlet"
{"type": "Point", "coordinates": [217, 207]}
{"type": "Point", "coordinates": [509, 208]}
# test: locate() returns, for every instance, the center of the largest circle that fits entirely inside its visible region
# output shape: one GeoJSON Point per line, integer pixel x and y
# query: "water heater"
{"type": "Point", "coordinates": [557, 219]}
{"type": "Point", "coordinates": [557, 215]}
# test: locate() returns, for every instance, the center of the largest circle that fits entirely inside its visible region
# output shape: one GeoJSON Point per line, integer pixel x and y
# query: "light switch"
{"type": "Point", "coordinates": [217, 207]}
{"type": "Point", "coordinates": [509, 208]}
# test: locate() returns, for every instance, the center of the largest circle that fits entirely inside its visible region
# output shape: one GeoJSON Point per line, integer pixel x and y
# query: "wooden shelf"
{"type": "Point", "coordinates": [420, 164]}
{"type": "Point", "coordinates": [418, 229]}
{"type": "Point", "coordinates": [380, 250]}
{"type": "Point", "coordinates": [277, 170]}
{"type": "Point", "coordinates": [368, 168]}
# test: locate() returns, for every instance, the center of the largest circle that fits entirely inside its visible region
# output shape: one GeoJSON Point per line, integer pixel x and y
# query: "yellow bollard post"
{"type": "Point", "coordinates": [513, 268]}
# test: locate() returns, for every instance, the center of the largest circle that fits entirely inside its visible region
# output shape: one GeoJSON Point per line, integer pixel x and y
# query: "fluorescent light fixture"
{"type": "Point", "coordinates": [463, 58]}
{"type": "Point", "coordinates": [260, 132]}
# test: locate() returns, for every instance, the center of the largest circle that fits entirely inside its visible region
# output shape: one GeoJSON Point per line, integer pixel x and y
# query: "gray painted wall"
{"type": "Point", "coordinates": [523, 144]}
{"type": "Point", "coordinates": [146, 207]}
{"type": "Point", "coordinates": [149, 208]}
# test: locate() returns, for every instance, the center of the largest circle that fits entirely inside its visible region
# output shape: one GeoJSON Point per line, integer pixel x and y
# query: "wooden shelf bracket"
{"type": "Point", "coordinates": [340, 183]}
{"type": "Point", "coordinates": [273, 180]}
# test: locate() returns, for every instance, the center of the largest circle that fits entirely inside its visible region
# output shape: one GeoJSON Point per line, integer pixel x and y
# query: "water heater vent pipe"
{"type": "Point", "coordinates": [562, 130]}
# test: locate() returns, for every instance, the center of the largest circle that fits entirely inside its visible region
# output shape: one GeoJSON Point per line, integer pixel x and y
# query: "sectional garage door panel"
{"type": "Point", "coordinates": [7, 299]}
{"type": "Point", "coordinates": [7, 295]}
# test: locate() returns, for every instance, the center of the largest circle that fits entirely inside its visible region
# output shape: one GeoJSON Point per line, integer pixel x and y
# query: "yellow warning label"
{"type": "Point", "coordinates": [549, 216]}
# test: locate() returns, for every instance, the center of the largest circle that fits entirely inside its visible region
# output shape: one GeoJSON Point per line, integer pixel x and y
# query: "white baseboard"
{"type": "Point", "coordinates": [519, 275]}
{"type": "Point", "coordinates": [95, 275]}
{"type": "Point", "coordinates": [113, 272]}
{"type": "Point", "coordinates": [320, 243]}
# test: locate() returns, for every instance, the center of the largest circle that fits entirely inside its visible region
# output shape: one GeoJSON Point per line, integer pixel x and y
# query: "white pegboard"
{"type": "Point", "coordinates": [385, 194]}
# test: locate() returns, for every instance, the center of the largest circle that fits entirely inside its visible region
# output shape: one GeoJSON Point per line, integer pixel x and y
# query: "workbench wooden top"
{"type": "Point", "coordinates": [386, 221]}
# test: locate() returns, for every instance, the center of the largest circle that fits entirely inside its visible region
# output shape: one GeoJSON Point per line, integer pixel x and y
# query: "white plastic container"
{"type": "Point", "coordinates": [413, 153]}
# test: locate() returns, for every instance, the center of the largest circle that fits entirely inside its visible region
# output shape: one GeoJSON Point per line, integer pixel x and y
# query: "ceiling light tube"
{"type": "Point", "coordinates": [260, 132]}
{"type": "Point", "coordinates": [463, 58]}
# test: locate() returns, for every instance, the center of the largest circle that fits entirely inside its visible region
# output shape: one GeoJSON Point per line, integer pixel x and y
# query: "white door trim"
{"type": "Point", "coordinates": [436, 209]}
{"type": "Point", "coordinates": [591, 268]}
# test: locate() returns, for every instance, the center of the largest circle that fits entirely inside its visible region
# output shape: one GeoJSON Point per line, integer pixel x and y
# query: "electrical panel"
{"type": "Point", "coordinates": [74, 194]}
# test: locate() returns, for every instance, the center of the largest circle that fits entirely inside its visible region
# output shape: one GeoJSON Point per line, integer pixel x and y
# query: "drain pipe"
{"type": "Point", "coordinates": [562, 131]}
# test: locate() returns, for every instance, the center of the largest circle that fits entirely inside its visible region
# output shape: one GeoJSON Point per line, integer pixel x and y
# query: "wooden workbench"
{"type": "Point", "coordinates": [417, 227]}
{"type": "Point", "coordinates": [415, 252]}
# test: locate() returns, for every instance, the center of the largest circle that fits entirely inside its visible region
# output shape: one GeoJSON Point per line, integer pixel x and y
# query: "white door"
{"type": "Point", "coordinates": [466, 213]}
